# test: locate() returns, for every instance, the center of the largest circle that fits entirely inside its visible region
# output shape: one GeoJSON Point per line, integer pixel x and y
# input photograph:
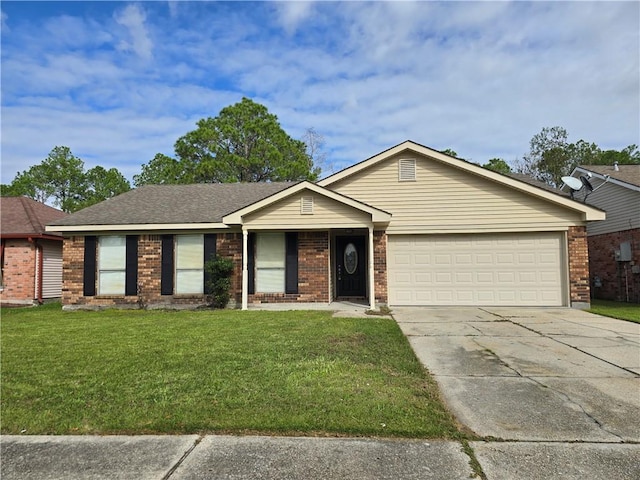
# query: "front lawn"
{"type": "Point", "coordinates": [295, 373]}
{"type": "Point", "coordinates": [621, 310]}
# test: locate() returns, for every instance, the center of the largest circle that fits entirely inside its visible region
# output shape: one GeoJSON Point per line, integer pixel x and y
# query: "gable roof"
{"type": "Point", "coordinates": [589, 212]}
{"type": "Point", "coordinates": [627, 175]}
{"type": "Point", "coordinates": [24, 217]}
{"type": "Point", "coordinates": [377, 215]}
{"type": "Point", "coordinates": [152, 205]}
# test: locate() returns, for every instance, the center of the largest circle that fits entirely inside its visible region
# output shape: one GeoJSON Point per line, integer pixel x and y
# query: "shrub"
{"type": "Point", "coordinates": [218, 283]}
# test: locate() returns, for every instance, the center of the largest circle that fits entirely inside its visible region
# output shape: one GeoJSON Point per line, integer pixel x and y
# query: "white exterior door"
{"type": "Point", "coordinates": [524, 269]}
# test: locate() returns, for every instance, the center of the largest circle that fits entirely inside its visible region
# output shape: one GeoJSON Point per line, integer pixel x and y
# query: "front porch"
{"type": "Point", "coordinates": [337, 265]}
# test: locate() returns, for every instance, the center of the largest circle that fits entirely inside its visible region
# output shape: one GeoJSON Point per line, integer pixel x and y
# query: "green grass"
{"type": "Point", "coordinates": [279, 373]}
{"type": "Point", "coordinates": [621, 310]}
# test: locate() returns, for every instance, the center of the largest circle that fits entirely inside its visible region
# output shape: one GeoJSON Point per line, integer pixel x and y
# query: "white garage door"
{"type": "Point", "coordinates": [481, 269]}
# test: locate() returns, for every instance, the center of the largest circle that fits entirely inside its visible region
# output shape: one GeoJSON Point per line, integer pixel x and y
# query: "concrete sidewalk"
{"type": "Point", "coordinates": [278, 458]}
{"type": "Point", "coordinates": [226, 457]}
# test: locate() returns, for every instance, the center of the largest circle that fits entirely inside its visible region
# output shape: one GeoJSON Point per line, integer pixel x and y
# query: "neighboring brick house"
{"type": "Point", "coordinates": [409, 226]}
{"type": "Point", "coordinates": [31, 258]}
{"type": "Point", "coordinates": [614, 244]}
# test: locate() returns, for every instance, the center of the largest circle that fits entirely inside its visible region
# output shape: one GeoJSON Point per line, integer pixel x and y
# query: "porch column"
{"type": "Point", "coordinates": [245, 269]}
{"type": "Point", "coordinates": [372, 284]}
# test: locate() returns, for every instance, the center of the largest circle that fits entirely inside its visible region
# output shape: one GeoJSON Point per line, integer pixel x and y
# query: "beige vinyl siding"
{"type": "Point", "coordinates": [622, 206]}
{"type": "Point", "coordinates": [445, 199]}
{"type": "Point", "coordinates": [327, 213]}
{"type": "Point", "coordinates": [52, 269]}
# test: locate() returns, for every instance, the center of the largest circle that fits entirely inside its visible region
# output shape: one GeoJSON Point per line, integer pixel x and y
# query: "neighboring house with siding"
{"type": "Point", "coordinates": [409, 226]}
{"type": "Point", "coordinates": [614, 244]}
{"type": "Point", "coordinates": [31, 258]}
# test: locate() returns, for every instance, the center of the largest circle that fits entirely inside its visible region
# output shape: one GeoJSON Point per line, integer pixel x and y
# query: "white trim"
{"type": "Point", "coordinates": [245, 269]}
{"type": "Point", "coordinates": [136, 227]}
{"type": "Point", "coordinates": [590, 213]}
{"type": "Point", "coordinates": [510, 229]}
{"type": "Point", "coordinates": [377, 215]}
{"type": "Point", "coordinates": [372, 283]}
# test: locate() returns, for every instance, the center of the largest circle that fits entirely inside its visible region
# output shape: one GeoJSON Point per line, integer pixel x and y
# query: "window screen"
{"type": "Point", "coordinates": [189, 264]}
{"type": "Point", "coordinates": [111, 265]}
{"type": "Point", "coordinates": [270, 262]}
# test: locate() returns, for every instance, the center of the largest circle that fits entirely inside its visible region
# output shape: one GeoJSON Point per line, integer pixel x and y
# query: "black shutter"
{"type": "Point", "coordinates": [209, 254]}
{"type": "Point", "coordinates": [131, 272]}
{"type": "Point", "coordinates": [251, 262]}
{"type": "Point", "coordinates": [89, 278]}
{"type": "Point", "coordinates": [291, 262]}
{"type": "Point", "coordinates": [166, 275]}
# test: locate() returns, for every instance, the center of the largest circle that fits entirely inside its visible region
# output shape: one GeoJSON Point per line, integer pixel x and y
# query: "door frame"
{"type": "Point", "coordinates": [361, 234]}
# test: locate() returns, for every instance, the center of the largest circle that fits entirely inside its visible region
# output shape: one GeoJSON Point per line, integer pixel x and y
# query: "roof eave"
{"type": "Point", "coordinates": [237, 218]}
{"type": "Point", "coordinates": [150, 227]}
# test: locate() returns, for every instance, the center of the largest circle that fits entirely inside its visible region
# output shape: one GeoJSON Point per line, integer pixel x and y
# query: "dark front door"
{"type": "Point", "coordinates": [351, 278]}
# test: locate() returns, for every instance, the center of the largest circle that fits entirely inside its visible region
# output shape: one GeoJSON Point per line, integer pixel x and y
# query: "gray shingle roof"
{"type": "Point", "coordinates": [166, 204]}
{"type": "Point", "coordinates": [626, 173]}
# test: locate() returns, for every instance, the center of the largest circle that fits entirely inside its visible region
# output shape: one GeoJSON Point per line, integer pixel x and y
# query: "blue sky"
{"type": "Point", "coordinates": [118, 82]}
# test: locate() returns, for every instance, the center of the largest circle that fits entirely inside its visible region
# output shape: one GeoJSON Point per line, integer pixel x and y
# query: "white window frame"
{"type": "Point", "coordinates": [112, 264]}
{"type": "Point", "coordinates": [189, 264]}
{"type": "Point", "coordinates": [270, 262]}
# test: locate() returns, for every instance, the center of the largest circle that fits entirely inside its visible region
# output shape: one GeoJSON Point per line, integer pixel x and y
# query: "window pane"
{"type": "Point", "coordinates": [270, 250]}
{"type": "Point", "coordinates": [270, 280]}
{"type": "Point", "coordinates": [189, 251]}
{"type": "Point", "coordinates": [189, 281]}
{"type": "Point", "coordinates": [111, 283]}
{"type": "Point", "coordinates": [111, 253]}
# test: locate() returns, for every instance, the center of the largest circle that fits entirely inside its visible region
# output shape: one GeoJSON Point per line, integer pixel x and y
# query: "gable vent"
{"type": "Point", "coordinates": [407, 170]}
{"type": "Point", "coordinates": [306, 205]}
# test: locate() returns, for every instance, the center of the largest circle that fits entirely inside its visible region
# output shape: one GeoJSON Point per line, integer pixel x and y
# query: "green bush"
{"type": "Point", "coordinates": [218, 284]}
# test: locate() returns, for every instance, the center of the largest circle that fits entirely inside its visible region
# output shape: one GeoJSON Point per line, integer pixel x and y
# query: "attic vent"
{"type": "Point", "coordinates": [306, 205]}
{"type": "Point", "coordinates": [407, 170]}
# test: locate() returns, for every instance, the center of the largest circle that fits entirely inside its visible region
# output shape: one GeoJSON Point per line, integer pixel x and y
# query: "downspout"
{"type": "Point", "coordinates": [40, 255]}
{"type": "Point", "coordinates": [38, 267]}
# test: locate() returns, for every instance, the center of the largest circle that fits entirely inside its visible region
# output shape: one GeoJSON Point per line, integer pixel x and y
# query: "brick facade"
{"type": "Point", "coordinates": [579, 295]}
{"type": "Point", "coordinates": [313, 272]}
{"type": "Point", "coordinates": [618, 280]}
{"type": "Point", "coordinates": [18, 272]}
{"type": "Point", "coordinates": [380, 266]}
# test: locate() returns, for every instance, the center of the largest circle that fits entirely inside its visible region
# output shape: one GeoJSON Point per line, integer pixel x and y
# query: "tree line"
{"type": "Point", "coordinates": [245, 143]}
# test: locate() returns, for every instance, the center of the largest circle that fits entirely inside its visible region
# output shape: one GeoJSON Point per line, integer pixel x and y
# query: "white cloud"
{"type": "Point", "coordinates": [481, 78]}
{"type": "Point", "coordinates": [3, 21]}
{"type": "Point", "coordinates": [292, 13]}
{"type": "Point", "coordinates": [133, 18]}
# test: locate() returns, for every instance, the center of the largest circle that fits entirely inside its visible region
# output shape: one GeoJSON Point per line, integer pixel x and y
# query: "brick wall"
{"type": "Point", "coordinates": [380, 266]}
{"type": "Point", "coordinates": [578, 267]}
{"type": "Point", "coordinates": [617, 279]}
{"type": "Point", "coordinates": [313, 272]}
{"type": "Point", "coordinates": [19, 270]}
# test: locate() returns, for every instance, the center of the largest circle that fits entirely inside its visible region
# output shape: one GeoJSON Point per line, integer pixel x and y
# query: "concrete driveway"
{"type": "Point", "coordinates": [532, 374]}
{"type": "Point", "coordinates": [538, 380]}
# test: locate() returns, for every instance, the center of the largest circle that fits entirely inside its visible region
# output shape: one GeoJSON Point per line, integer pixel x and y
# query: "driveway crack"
{"type": "Point", "coordinates": [576, 403]}
{"type": "Point", "coordinates": [184, 456]}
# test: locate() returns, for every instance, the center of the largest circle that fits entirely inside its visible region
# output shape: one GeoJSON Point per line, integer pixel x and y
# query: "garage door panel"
{"type": "Point", "coordinates": [481, 269]}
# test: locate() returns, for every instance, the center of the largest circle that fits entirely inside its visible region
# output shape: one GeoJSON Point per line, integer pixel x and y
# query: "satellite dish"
{"type": "Point", "coordinates": [587, 184]}
{"type": "Point", "coordinates": [572, 182]}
